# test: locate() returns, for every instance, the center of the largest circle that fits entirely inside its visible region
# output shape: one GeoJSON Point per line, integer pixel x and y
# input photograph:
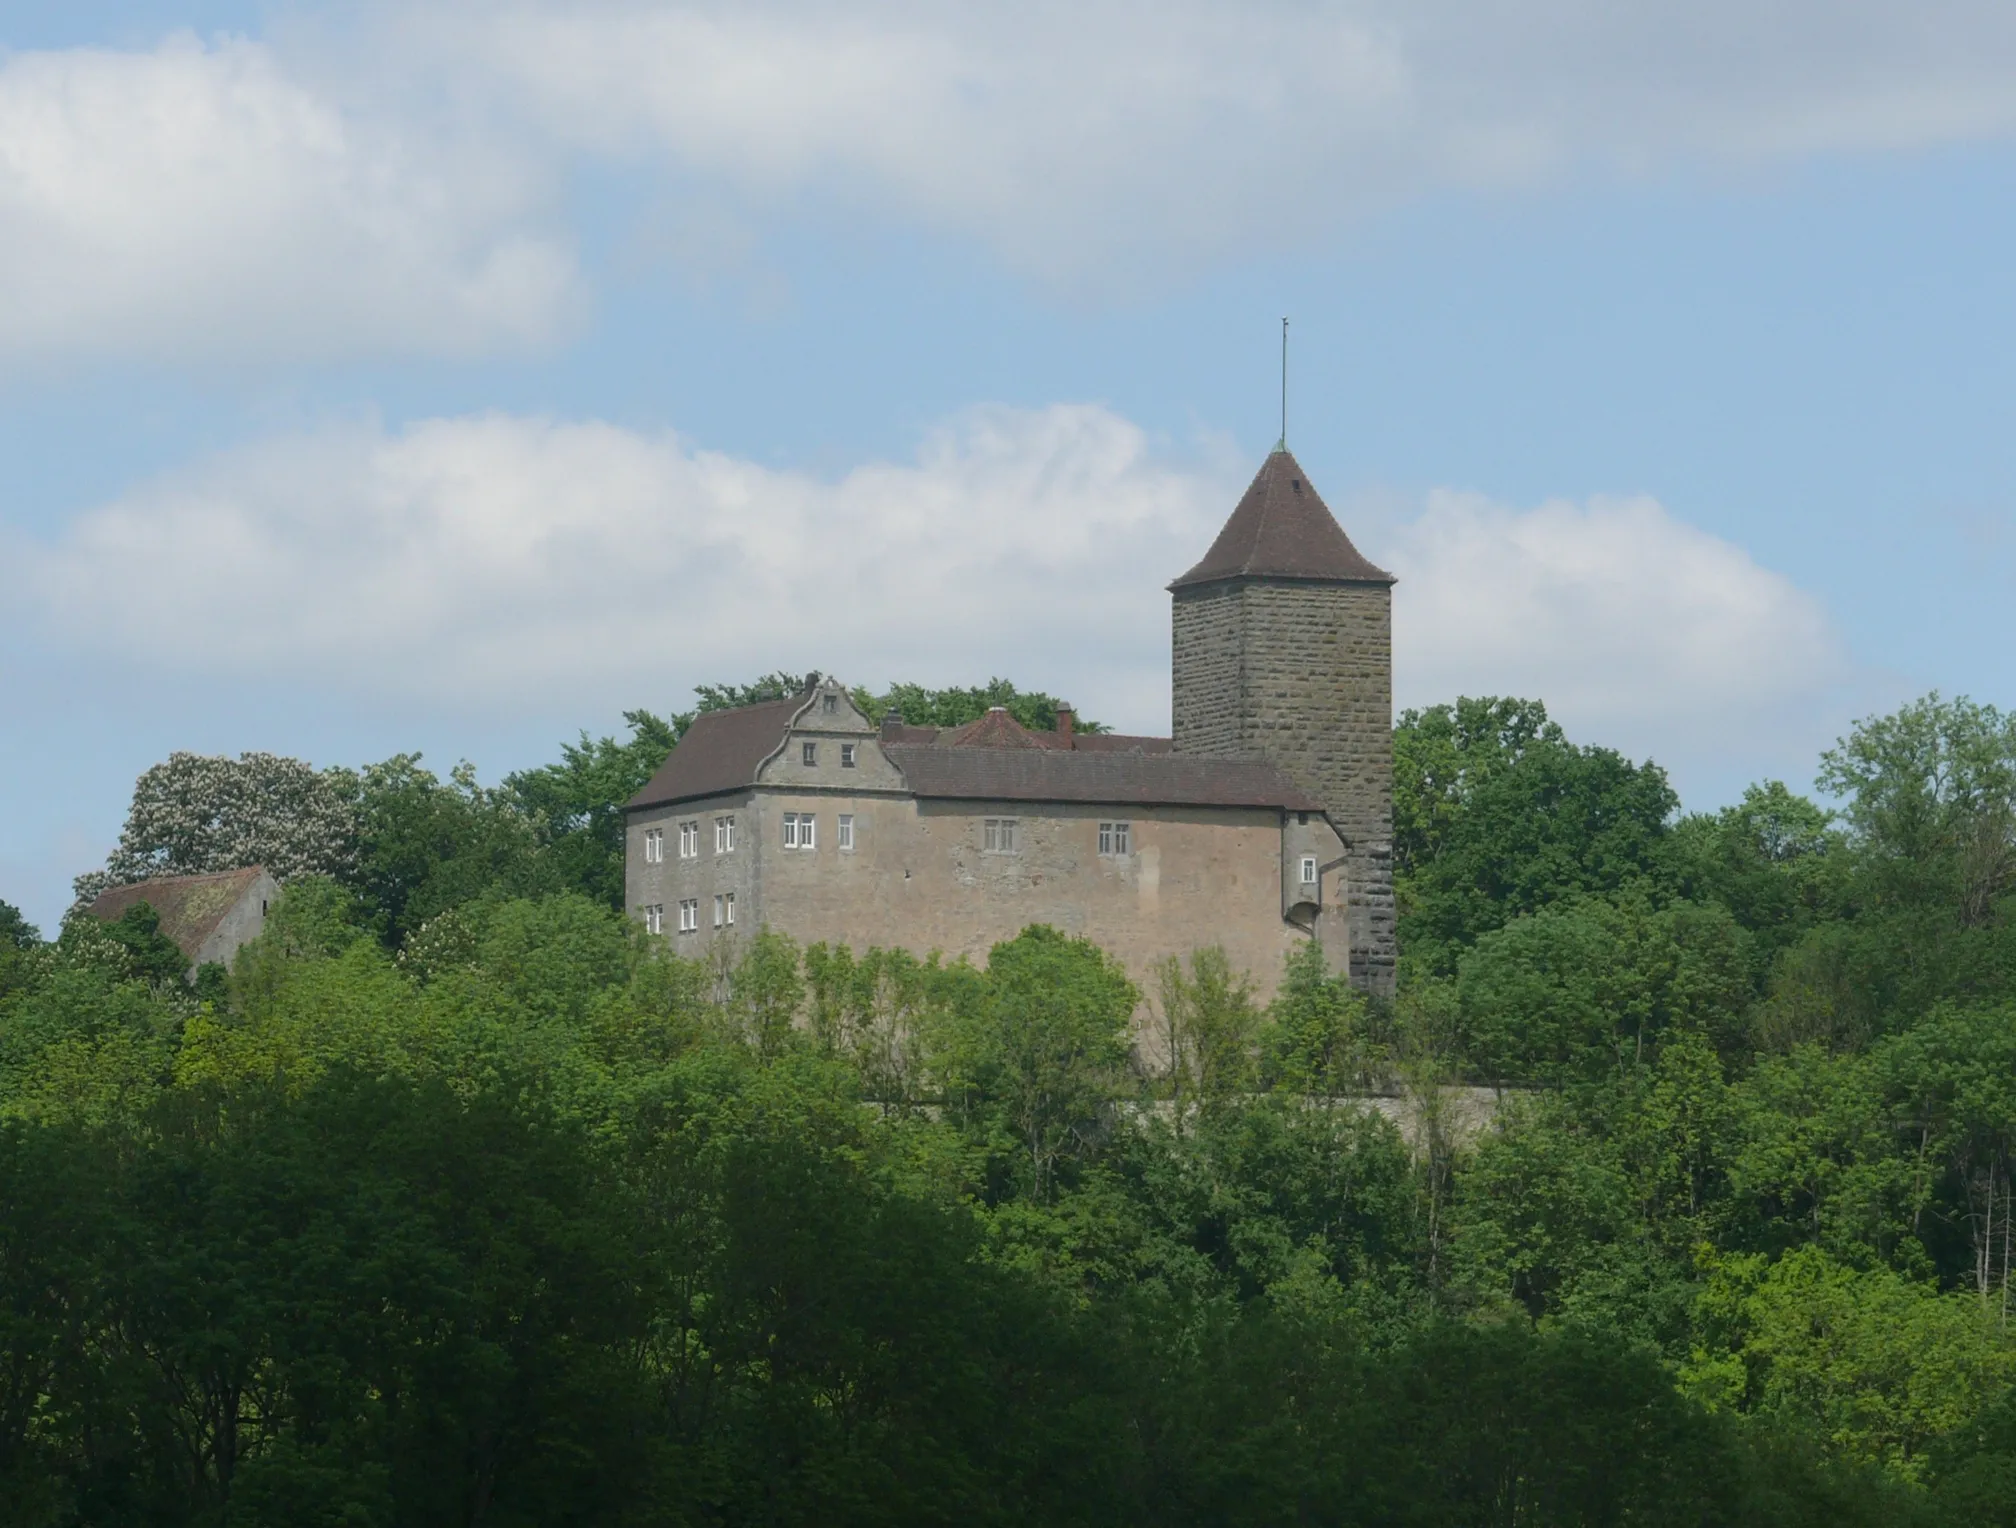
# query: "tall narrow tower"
{"type": "Point", "coordinates": [1284, 649]}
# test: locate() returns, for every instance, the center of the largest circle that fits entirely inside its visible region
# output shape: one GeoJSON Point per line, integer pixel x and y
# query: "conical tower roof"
{"type": "Point", "coordinates": [1283, 529]}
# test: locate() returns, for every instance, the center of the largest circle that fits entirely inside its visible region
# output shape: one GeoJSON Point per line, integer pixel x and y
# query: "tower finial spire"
{"type": "Point", "coordinates": [1282, 443]}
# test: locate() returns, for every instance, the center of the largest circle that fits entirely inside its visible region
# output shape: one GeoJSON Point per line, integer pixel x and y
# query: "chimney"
{"type": "Point", "coordinates": [1067, 719]}
{"type": "Point", "coordinates": [892, 722]}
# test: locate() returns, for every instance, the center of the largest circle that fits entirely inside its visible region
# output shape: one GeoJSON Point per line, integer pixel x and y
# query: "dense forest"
{"type": "Point", "coordinates": [458, 1200]}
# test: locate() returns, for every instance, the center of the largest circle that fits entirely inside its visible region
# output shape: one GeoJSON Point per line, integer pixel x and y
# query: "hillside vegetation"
{"type": "Point", "coordinates": [459, 1200]}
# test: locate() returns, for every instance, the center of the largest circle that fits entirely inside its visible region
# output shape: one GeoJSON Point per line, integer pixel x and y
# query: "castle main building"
{"type": "Point", "coordinates": [1266, 820]}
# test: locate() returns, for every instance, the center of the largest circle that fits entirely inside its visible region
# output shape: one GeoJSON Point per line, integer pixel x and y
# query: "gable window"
{"type": "Point", "coordinates": [997, 835]}
{"type": "Point", "coordinates": [724, 835]}
{"type": "Point", "coordinates": [830, 704]}
{"type": "Point", "coordinates": [689, 840]}
{"type": "Point", "coordinates": [845, 838]}
{"type": "Point", "coordinates": [811, 754]}
{"type": "Point", "coordinates": [654, 919]}
{"type": "Point", "coordinates": [689, 915]}
{"type": "Point", "coordinates": [1116, 838]}
{"type": "Point", "coordinates": [1308, 870]}
{"type": "Point", "coordinates": [846, 755]}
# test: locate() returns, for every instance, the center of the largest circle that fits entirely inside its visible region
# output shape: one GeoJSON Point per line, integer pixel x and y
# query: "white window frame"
{"type": "Point", "coordinates": [720, 909]}
{"type": "Point", "coordinates": [800, 830]}
{"type": "Point", "coordinates": [1309, 872]}
{"type": "Point", "coordinates": [654, 918]}
{"type": "Point", "coordinates": [689, 915]}
{"type": "Point", "coordinates": [724, 834]}
{"type": "Point", "coordinates": [808, 754]}
{"type": "Point", "coordinates": [847, 755]}
{"type": "Point", "coordinates": [689, 839]}
{"type": "Point", "coordinates": [731, 909]}
{"type": "Point", "coordinates": [654, 846]}
{"type": "Point", "coordinates": [998, 835]}
{"type": "Point", "coordinates": [843, 839]}
{"type": "Point", "coordinates": [1116, 839]}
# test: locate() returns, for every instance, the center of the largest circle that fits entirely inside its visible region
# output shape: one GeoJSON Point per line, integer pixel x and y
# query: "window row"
{"type": "Point", "coordinates": [808, 754]}
{"type": "Point", "coordinates": [689, 914]}
{"type": "Point", "coordinates": [689, 840]}
{"type": "Point", "coordinates": [1002, 835]}
{"type": "Point", "coordinates": [801, 830]}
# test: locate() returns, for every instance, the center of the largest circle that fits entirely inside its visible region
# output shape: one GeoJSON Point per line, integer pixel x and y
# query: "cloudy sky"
{"type": "Point", "coordinates": [456, 376]}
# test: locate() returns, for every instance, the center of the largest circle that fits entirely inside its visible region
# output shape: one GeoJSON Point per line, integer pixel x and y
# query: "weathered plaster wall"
{"type": "Point", "coordinates": [243, 923]}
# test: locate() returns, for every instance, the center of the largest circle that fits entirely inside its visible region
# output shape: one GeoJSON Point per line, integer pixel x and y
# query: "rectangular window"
{"type": "Point", "coordinates": [724, 835]}
{"type": "Point", "coordinates": [846, 755]}
{"type": "Point", "coordinates": [997, 835]}
{"type": "Point", "coordinates": [654, 919]}
{"type": "Point", "coordinates": [720, 910]}
{"type": "Point", "coordinates": [654, 845]}
{"type": "Point", "coordinates": [790, 830]}
{"type": "Point", "coordinates": [798, 830]}
{"type": "Point", "coordinates": [689, 915]}
{"type": "Point", "coordinates": [846, 835]}
{"type": "Point", "coordinates": [1116, 838]}
{"type": "Point", "coordinates": [831, 704]}
{"type": "Point", "coordinates": [1308, 870]}
{"type": "Point", "coordinates": [731, 909]}
{"type": "Point", "coordinates": [811, 754]}
{"type": "Point", "coordinates": [689, 840]}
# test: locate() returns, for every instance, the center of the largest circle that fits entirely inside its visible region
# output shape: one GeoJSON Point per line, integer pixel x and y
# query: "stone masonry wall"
{"type": "Point", "coordinates": [1302, 673]}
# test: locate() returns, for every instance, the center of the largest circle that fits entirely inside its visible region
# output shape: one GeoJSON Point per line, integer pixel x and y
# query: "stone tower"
{"type": "Point", "coordinates": [1284, 649]}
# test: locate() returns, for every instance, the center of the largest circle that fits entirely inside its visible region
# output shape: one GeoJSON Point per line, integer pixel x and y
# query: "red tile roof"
{"type": "Point", "coordinates": [1282, 529]}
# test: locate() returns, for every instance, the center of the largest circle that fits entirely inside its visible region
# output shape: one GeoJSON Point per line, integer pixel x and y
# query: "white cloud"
{"type": "Point", "coordinates": [1637, 629]}
{"type": "Point", "coordinates": [1084, 141]}
{"type": "Point", "coordinates": [201, 200]}
{"type": "Point", "coordinates": [376, 179]}
{"type": "Point", "coordinates": [566, 568]}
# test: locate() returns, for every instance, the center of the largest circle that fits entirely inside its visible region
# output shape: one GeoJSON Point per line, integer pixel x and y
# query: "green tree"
{"type": "Point", "coordinates": [1210, 1029]}
{"type": "Point", "coordinates": [426, 845]}
{"type": "Point", "coordinates": [578, 803]}
{"type": "Point", "coordinates": [1497, 814]}
{"type": "Point", "coordinates": [1592, 985]}
{"type": "Point", "coordinates": [1038, 1049]}
{"type": "Point", "coordinates": [1318, 1036]}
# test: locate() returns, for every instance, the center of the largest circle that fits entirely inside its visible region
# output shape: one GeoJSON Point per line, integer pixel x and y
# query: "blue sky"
{"type": "Point", "coordinates": [454, 377]}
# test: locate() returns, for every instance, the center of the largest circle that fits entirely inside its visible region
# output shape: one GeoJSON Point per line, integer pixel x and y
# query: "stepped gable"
{"type": "Point", "coordinates": [1282, 529]}
{"type": "Point", "coordinates": [721, 751]}
{"type": "Point", "coordinates": [190, 906]}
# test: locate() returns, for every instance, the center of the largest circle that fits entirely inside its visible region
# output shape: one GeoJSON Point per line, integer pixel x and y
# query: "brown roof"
{"type": "Point", "coordinates": [190, 906]}
{"type": "Point", "coordinates": [1283, 529]}
{"type": "Point", "coordinates": [720, 752]}
{"type": "Point", "coordinates": [1119, 778]}
{"type": "Point", "coordinates": [976, 734]}
{"type": "Point", "coordinates": [997, 729]}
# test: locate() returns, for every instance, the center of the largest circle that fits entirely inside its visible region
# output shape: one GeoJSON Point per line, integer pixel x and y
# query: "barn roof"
{"type": "Point", "coordinates": [190, 906]}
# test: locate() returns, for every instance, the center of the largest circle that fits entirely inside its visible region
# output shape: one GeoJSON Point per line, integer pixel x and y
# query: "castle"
{"type": "Point", "coordinates": [1265, 820]}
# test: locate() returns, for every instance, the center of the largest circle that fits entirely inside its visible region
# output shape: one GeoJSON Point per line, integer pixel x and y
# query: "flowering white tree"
{"type": "Point", "coordinates": [197, 813]}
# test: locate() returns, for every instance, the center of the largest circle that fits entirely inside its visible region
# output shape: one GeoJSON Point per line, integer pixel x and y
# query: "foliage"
{"type": "Point", "coordinates": [1497, 814]}
{"type": "Point", "coordinates": [194, 814]}
{"type": "Point", "coordinates": [578, 802]}
{"type": "Point", "coordinates": [922, 706]}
